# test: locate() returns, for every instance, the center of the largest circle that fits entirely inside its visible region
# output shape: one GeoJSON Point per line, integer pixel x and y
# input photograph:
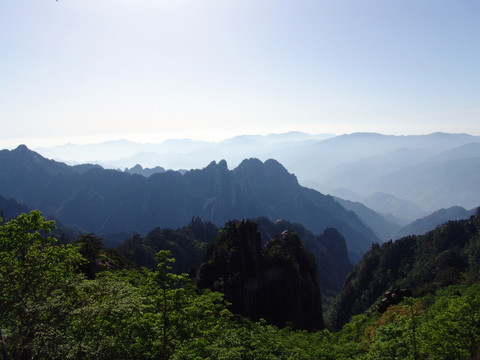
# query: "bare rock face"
{"type": "Point", "coordinates": [277, 283]}
{"type": "Point", "coordinates": [291, 283]}
{"type": "Point", "coordinates": [391, 297]}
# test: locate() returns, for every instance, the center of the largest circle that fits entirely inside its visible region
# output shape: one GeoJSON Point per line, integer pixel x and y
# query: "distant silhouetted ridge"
{"type": "Point", "coordinates": [108, 201]}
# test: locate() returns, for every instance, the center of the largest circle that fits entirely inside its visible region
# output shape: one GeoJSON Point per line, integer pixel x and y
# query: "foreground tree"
{"type": "Point", "coordinates": [33, 272]}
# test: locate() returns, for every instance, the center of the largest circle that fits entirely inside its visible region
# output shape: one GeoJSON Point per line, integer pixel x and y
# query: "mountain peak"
{"type": "Point", "coordinates": [23, 152]}
{"type": "Point", "coordinates": [222, 165]}
{"type": "Point", "coordinates": [275, 165]}
{"type": "Point", "coordinates": [22, 147]}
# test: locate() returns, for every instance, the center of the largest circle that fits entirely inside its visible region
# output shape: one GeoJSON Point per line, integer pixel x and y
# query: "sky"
{"type": "Point", "coordinates": [83, 71]}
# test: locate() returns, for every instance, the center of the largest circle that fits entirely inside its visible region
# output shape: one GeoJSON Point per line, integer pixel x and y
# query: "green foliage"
{"type": "Point", "coordinates": [423, 264]}
{"type": "Point", "coordinates": [49, 310]}
{"type": "Point", "coordinates": [445, 325]}
{"type": "Point", "coordinates": [99, 258]}
{"type": "Point", "coordinates": [90, 246]}
{"type": "Point", "coordinates": [452, 329]}
{"type": "Point", "coordinates": [246, 340]}
{"type": "Point", "coordinates": [188, 245]}
{"type": "Point", "coordinates": [34, 273]}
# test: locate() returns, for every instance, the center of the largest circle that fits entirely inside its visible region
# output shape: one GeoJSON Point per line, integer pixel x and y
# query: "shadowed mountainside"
{"type": "Point", "coordinates": [10, 209]}
{"type": "Point", "coordinates": [430, 222]}
{"type": "Point", "coordinates": [432, 171]}
{"type": "Point", "coordinates": [105, 201]}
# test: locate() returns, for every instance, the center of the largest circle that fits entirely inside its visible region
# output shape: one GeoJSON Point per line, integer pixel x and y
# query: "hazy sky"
{"type": "Point", "coordinates": [147, 70]}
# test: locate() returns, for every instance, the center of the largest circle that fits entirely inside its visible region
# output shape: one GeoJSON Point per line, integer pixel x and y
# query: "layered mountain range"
{"type": "Point", "coordinates": [386, 229]}
{"type": "Point", "coordinates": [406, 177]}
{"type": "Point", "coordinates": [107, 201]}
{"type": "Point", "coordinates": [270, 255]}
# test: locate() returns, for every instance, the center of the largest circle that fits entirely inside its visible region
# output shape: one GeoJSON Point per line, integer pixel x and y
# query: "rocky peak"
{"type": "Point", "coordinates": [22, 148]}
{"type": "Point", "coordinates": [391, 297]}
{"type": "Point", "coordinates": [221, 166]}
{"type": "Point", "coordinates": [278, 283]}
{"type": "Point", "coordinates": [23, 153]}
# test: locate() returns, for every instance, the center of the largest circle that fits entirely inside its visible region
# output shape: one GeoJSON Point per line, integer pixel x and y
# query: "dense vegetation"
{"type": "Point", "coordinates": [51, 310]}
{"type": "Point", "coordinates": [189, 245]}
{"type": "Point", "coordinates": [445, 256]}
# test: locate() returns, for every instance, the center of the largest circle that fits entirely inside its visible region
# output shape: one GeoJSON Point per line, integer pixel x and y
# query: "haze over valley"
{"type": "Point", "coordinates": [405, 177]}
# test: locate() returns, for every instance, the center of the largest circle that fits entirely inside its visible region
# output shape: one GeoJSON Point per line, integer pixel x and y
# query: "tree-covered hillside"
{"type": "Point", "coordinates": [189, 245]}
{"type": "Point", "coordinates": [447, 255]}
{"type": "Point", "coordinates": [49, 309]}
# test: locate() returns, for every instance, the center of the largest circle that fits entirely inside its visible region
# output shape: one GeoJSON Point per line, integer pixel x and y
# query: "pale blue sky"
{"type": "Point", "coordinates": [147, 70]}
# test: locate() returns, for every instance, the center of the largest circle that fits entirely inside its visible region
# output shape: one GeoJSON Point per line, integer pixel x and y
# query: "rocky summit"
{"type": "Point", "coordinates": [277, 282]}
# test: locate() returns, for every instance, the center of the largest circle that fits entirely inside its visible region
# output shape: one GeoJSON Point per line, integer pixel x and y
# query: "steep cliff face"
{"type": "Point", "coordinates": [291, 285]}
{"type": "Point", "coordinates": [328, 248]}
{"type": "Point", "coordinates": [234, 265]}
{"type": "Point", "coordinates": [278, 283]}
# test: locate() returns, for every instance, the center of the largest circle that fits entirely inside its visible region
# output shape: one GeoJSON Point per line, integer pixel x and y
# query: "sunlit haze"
{"type": "Point", "coordinates": [84, 71]}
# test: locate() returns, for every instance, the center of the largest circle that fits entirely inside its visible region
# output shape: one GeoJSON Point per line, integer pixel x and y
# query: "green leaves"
{"type": "Point", "coordinates": [48, 310]}
{"type": "Point", "coordinates": [33, 270]}
{"type": "Point", "coordinates": [453, 327]}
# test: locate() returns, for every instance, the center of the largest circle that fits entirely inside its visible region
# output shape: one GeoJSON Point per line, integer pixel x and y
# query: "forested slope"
{"type": "Point", "coordinates": [49, 309]}
{"type": "Point", "coordinates": [189, 245]}
{"type": "Point", "coordinates": [422, 264]}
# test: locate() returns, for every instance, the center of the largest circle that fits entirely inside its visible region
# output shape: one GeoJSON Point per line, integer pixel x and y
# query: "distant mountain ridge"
{"type": "Point", "coordinates": [423, 225]}
{"type": "Point", "coordinates": [138, 169]}
{"type": "Point", "coordinates": [103, 201]}
{"type": "Point", "coordinates": [385, 203]}
{"type": "Point", "coordinates": [432, 171]}
{"type": "Point", "coordinates": [175, 153]}
{"type": "Point", "coordinates": [383, 228]}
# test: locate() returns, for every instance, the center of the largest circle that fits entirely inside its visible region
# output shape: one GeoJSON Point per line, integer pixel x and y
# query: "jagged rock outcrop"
{"type": "Point", "coordinates": [139, 170]}
{"type": "Point", "coordinates": [328, 248]}
{"type": "Point", "coordinates": [278, 282]}
{"type": "Point", "coordinates": [391, 297]}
